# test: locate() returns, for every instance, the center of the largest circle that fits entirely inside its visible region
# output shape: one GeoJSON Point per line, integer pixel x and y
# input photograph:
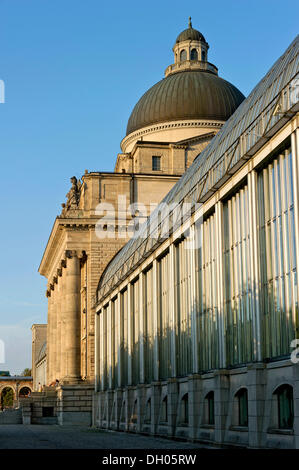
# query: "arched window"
{"type": "Point", "coordinates": [164, 411]}
{"type": "Point", "coordinates": [134, 413]}
{"type": "Point", "coordinates": [123, 412]}
{"type": "Point", "coordinates": [194, 55]}
{"type": "Point", "coordinates": [183, 55]}
{"type": "Point", "coordinates": [210, 408]}
{"type": "Point", "coordinates": [147, 418]}
{"type": "Point", "coordinates": [24, 392]}
{"type": "Point", "coordinates": [203, 56]}
{"type": "Point", "coordinates": [242, 398]}
{"type": "Point", "coordinates": [185, 410]}
{"type": "Point", "coordinates": [285, 406]}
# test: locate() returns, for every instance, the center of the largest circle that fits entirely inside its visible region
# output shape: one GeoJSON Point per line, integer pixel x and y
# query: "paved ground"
{"type": "Point", "coordinates": [57, 437]}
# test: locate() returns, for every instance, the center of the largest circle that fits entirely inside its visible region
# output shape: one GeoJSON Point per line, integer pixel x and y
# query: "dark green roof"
{"type": "Point", "coordinates": [190, 33]}
{"type": "Point", "coordinates": [186, 95]}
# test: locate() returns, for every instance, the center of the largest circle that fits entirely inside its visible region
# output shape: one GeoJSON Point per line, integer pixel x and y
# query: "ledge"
{"type": "Point", "coordinates": [239, 428]}
{"type": "Point", "coordinates": [284, 432]}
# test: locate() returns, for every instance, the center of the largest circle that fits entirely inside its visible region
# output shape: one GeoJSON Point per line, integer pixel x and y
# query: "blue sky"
{"type": "Point", "coordinates": [73, 70]}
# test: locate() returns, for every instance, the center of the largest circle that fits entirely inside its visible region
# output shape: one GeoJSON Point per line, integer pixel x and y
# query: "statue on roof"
{"type": "Point", "coordinates": [73, 196]}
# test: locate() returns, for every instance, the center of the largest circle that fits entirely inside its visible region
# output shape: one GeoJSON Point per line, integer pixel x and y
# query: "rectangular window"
{"type": "Point", "coordinates": [135, 331]}
{"type": "Point", "coordinates": [278, 255]}
{"type": "Point", "coordinates": [164, 317]}
{"type": "Point", "coordinates": [238, 293]}
{"type": "Point", "coordinates": [206, 305]}
{"type": "Point", "coordinates": [182, 304]}
{"type": "Point", "coordinates": [124, 336]}
{"type": "Point", "coordinates": [148, 325]}
{"type": "Point", "coordinates": [211, 409]}
{"type": "Point", "coordinates": [156, 163]}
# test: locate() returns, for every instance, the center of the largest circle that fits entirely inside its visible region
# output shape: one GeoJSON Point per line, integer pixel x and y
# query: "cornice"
{"type": "Point", "coordinates": [198, 123]}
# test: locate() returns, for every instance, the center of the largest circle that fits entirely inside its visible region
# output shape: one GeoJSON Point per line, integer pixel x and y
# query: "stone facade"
{"type": "Point", "coordinates": [39, 340]}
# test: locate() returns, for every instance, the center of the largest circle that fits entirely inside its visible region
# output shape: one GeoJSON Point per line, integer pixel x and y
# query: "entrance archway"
{"type": "Point", "coordinates": [7, 398]}
{"type": "Point", "coordinates": [24, 392]}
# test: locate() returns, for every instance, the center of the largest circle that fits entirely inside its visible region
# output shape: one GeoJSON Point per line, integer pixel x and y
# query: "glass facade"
{"type": "Point", "coordinates": [278, 255]}
{"type": "Point", "coordinates": [195, 310]}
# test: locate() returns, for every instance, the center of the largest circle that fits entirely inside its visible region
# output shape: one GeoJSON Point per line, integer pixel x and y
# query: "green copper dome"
{"type": "Point", "coordinates": [190, 94]}
{"type": "Point", "coordinates": [190, 34]}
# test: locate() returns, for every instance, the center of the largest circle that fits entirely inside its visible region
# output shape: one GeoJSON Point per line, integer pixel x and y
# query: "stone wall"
{"type": "Point", "coordinates": [128, 409]}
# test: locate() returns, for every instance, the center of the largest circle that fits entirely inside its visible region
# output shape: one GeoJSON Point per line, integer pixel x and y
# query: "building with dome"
{"type": "Point", "coordinates": [171, 124]}
{"type": "Point", "coordinates": [197, 323]}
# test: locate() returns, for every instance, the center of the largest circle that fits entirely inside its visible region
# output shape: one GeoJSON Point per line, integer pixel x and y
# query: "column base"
{"type": "Point", "coordinates": [69, 380]}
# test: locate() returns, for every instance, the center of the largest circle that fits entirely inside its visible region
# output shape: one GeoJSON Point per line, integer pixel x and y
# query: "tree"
{"type": "Point", "coordinates": [26, 372]}
{"type": "Point", "coordinates": [7, 397]}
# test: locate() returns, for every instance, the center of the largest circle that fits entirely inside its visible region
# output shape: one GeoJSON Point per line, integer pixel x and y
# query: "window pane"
{"type": "Point", "coordinates": [156, 163]}
{"type": "Point", "coordinates": [285, 407]}
{"type": "Point", "coordinates": [243, 408]}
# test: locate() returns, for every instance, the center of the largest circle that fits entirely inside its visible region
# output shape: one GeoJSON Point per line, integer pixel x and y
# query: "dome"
{"type": "Point", "coordinates": [190, 94]}
{"type": "Point", "coordinates": [190, 34]}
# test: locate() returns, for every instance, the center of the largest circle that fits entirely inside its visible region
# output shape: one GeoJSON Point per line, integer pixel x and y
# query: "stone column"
{"type": "Point", "coordinates": [59, 324]}
{"type": "Point", "coordinates": [54, 331]}
{"type": "Point", "coordinates": [63, 371]}
{"type": "Point", "coordinates": [221, 396]}
{"type": "Point", "coordinates": [72, 317]}
{"type": "Point", "coordinates": [49, 334]}
{"type": "Point", "coordinates": [256, 403]}
{"type": "Point", "coordinates": [194, 389]}
{"type": "Point", "coordinates": [172, 405]}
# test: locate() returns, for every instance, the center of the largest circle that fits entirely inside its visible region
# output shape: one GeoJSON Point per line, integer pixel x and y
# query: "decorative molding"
{"type": "Point", "coordinates": [169, 125]}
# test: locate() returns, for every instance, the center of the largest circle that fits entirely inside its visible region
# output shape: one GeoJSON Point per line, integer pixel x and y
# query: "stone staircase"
{"type": "Point", "coordinates": [11, 416]}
